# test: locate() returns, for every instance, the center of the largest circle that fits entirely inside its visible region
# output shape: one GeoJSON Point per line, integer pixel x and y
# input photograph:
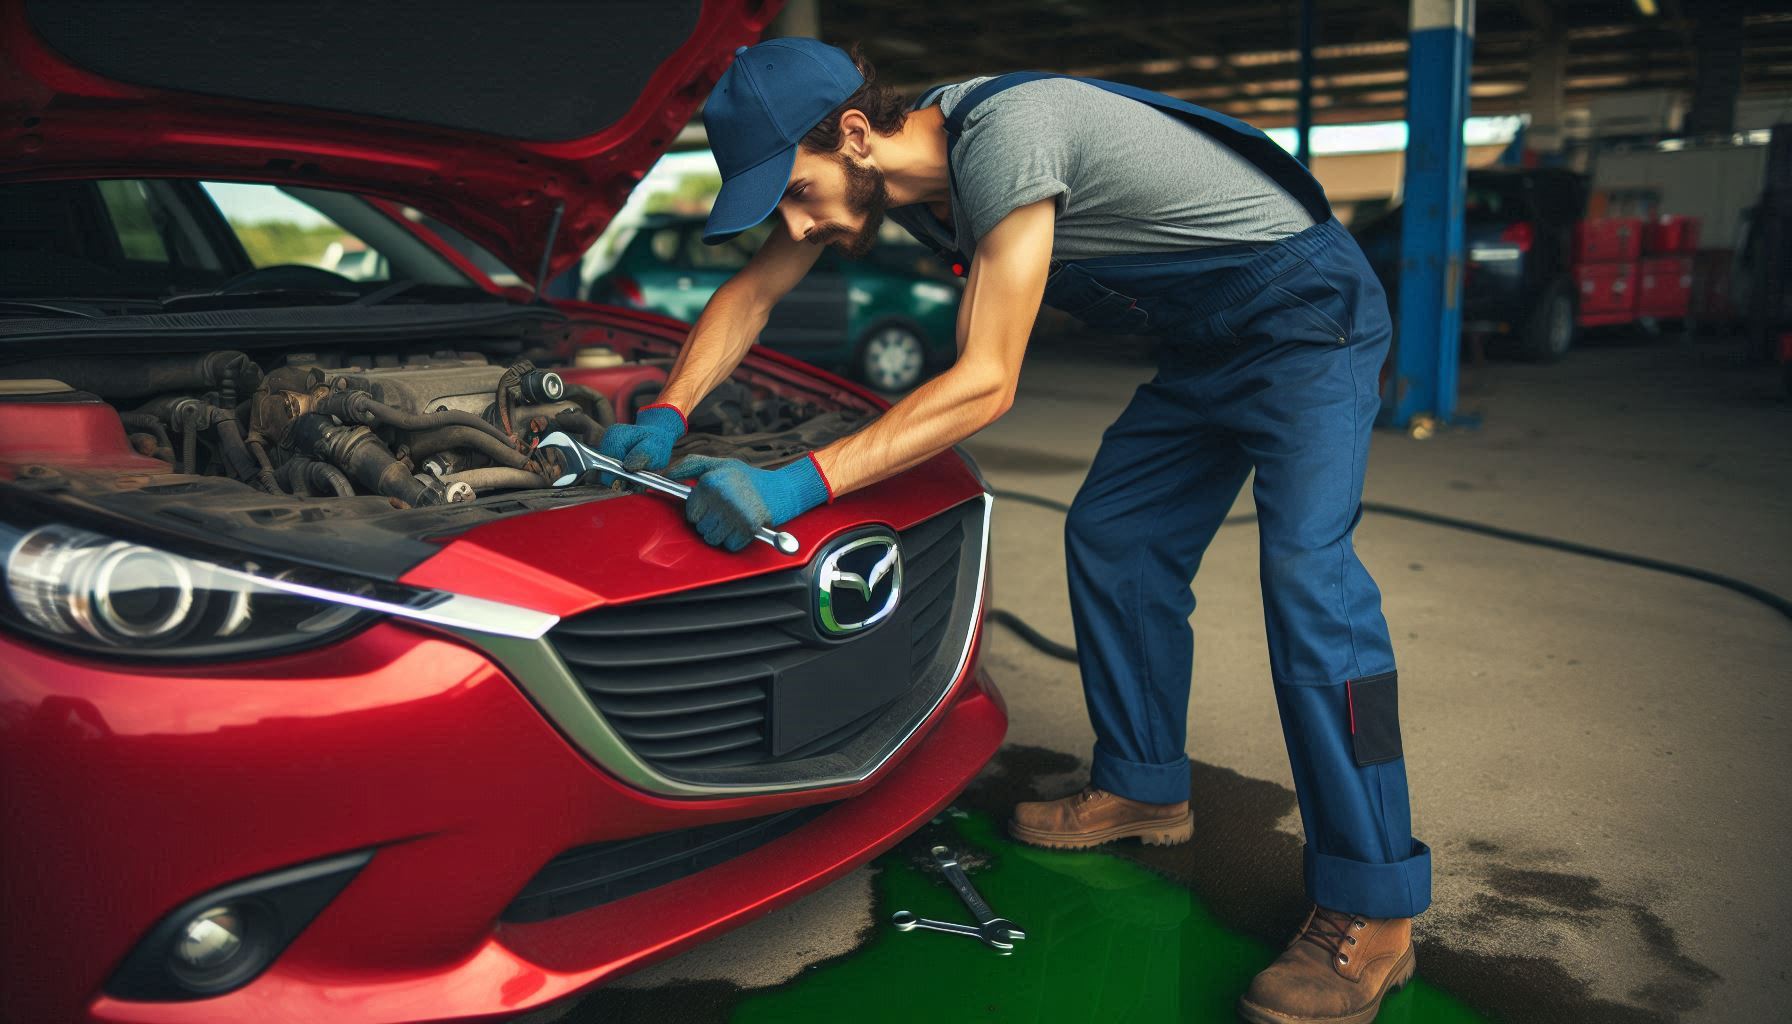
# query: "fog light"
{"type": "Point", "coordinates": [211, 939]}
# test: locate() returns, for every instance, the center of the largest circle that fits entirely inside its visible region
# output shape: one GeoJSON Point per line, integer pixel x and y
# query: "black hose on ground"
{"type": "Point", "coordinates": [441, 440]}
{"type": "Point", "coordinates": [1047, 645]}
{"type": "Point", "coordinates": [497, 478]}
{"type": "Point", "coordinates": [361, 407]}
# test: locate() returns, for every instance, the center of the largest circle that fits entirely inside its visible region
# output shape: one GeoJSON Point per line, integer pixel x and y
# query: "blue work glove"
{"type": "Point", "coordinates": [730, 499]}
{"type": "Point", "coordinates": [645, 443]}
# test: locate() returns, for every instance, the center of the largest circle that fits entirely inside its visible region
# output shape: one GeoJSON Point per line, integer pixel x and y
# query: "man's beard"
{"type": "Point", "coordinates": [867, 197]}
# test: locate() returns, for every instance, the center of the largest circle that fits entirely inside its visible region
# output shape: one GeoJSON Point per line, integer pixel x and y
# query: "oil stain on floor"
{"type": "Point", "coordinates": [1106, 940]}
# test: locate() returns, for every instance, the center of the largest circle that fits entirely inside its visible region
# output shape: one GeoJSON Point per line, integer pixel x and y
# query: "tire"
{"type": "Point", "coordinates": [891, 357]}
{"type": "Point", "coordinates": [1550, 330]}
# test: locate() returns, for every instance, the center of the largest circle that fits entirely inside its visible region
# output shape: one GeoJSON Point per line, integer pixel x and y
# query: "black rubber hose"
{"type": "Point", "coordinates": [307, 477]}
{"type": "Point", "coordinates": [427, 444]}
{"type": "Point", "coordinates": [115, 378]}
{"type": "Point", "coordinates": [270, 482]}
{"type": "Point", "coordinates": [360, 453]}
{"type": "Point", "coordinates": [587, 429]}
{"type": "Point", "coordinates": [236, 453]}
{"type": "Point", "coordinates": [361, 407]}
{"type": "Point", "coordinates": [1047, 645]}
{"type": "Point", "coordinates": [513, 376]}
{"type": "Point", "coordinates": [601, 408]}
{"type": "Point", "coordinates": [143, 421]}
{"type": "Point", "coordinates": [497, 478]}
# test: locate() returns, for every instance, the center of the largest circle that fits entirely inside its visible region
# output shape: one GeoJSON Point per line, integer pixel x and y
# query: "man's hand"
{"type": "Point", "coordinates": [644, 444]}
{"type": "Point", "coordinates": [730, 500]}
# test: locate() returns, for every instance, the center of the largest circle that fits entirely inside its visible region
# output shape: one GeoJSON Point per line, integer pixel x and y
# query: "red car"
{"type": "Point", "coordinates": [318, 702]}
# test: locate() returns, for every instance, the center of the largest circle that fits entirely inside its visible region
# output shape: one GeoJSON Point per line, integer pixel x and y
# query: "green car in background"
{"type": "Point", "coordinates": [887, 319]}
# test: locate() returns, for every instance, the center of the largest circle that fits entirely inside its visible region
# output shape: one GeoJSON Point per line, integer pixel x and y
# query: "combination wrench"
{"type": "Point", "coordinates": [990, 926]}
{"type": "Point", "coordinates": [908, 922]}
{"type": "Point", "coordinates": [582, 459]}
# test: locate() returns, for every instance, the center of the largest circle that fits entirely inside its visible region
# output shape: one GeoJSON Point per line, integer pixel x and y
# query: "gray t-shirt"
{"type": "Point", "coordinates": [1128, 178]}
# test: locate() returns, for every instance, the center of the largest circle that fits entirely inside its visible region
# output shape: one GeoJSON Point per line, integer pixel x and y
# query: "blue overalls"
{"type": "Point", "coordinates": [1269, 360]}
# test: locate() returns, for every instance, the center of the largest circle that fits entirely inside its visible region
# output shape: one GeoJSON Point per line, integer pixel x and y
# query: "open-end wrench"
{"type": "Point", "coordinates": [582, 459]}
{"type": "Point", "coordinates": [992, 927]}
{"type": "Point", "coordinates": [908, 922]}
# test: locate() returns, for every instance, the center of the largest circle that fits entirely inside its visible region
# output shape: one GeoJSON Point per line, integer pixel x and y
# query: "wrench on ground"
{"type": "Point", "coordinates": [908, 922]}
{"type": "Point", "coordinates": [989, 924]}
{"type": "Point", "coordinates": [582, 458]}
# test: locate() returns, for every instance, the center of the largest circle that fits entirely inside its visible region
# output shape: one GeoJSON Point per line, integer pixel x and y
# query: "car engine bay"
{"type": "Point", "coordinates": [418, 443]}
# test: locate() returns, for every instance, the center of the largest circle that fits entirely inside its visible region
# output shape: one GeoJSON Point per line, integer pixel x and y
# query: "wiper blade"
{"type": "Point", "coordinates": [52, 308]}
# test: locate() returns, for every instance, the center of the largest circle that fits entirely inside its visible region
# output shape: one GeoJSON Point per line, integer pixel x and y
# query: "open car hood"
{"type": "Point", "coordinates": [501, 119]}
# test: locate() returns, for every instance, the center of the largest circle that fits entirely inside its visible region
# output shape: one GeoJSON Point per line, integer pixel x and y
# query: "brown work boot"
{"type": "Point", "coordinates": [1336, 971]}
{"type": "Point", "coordinates": [1095, 816]}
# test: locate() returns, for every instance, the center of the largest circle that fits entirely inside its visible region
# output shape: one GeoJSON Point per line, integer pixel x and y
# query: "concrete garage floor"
{"type": "Point", "coordinates": [1598, 753]}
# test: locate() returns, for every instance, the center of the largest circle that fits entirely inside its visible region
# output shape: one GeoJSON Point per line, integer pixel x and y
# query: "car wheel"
{"type": "Point", "coordinates": [1550, 331]}
{"type": "Point", "coordinates": [892, 358]}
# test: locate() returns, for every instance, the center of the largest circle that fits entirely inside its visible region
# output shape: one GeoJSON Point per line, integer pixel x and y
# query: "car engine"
{"type": "Point", "coordinates": [416, 429]}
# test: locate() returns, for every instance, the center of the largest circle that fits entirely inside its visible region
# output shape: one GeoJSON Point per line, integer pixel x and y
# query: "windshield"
{"type": "Point", "coordinates": [127, 244]}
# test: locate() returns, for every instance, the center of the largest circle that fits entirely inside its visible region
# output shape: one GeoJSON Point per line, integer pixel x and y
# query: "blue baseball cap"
{"type": "Point", "coordinates": [767, 100]}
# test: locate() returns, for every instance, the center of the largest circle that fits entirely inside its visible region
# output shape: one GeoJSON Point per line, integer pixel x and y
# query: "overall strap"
{"type": "Point", "coordinates": [1262, 151]}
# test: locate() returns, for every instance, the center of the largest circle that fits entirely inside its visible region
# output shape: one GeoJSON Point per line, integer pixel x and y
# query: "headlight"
{"type": "Point", "coordinates": [929, 292]}
{"type": "Point", "coordinates": [80, 589]}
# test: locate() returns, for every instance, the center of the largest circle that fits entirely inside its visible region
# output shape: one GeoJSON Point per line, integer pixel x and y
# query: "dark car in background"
{"type": "Point", "coordinates": [1518, 288]}
{"type": "Point", "coordinates": [886, 319]}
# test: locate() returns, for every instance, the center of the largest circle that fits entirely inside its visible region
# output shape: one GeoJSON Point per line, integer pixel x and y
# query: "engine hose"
{"type": "Point", "coordinates": [147, 422]}
{"type": "Point", "coordinates": [365, 458]}
{"type": "Point", "coordinates": [513, 376]}
{"type": "Point", "coordinates": [307, 478]}
{"type": "Point", "coordinates": [601, 408]}
{"type": "Point", "coordinates": [361, 407]}
{"type": "Point", "coordinates": [114, 378]}
{"type": "Point", "coordinates": [1047, 645]}
{"type": "Point", "coordinates": [236, 453]}
{"type": "Point", "coordinates": [497, 478]}
{"type": "Point", "coordinates": [269, 481]}
{"type": "Point", "coordinates": [427, 444]}
{"type": "Point", "coordinates": [588, 429]}
{"type": "Point", "coordinates": [189, 448]}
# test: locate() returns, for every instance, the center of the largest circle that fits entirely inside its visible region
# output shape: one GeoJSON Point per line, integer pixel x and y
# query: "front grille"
{"type": "Point", "coordinates": [737, 674]}
{"type": "Point", "coordinates": [589, 876]}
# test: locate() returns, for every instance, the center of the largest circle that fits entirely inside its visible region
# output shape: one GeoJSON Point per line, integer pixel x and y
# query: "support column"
{"type": "Point", "coordinates": [1428, 335]}
{"type": "Point", "coordinates": [797, 18]}
{"type": "Point", "coordinates": [1303, 128]}
{"type": "Point", "coordinates": [1549, 68]}
{"type": "Point", "coordinates": [1717, 67]}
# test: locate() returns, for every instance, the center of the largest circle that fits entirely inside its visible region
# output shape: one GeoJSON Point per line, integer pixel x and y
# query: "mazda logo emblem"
{"type": "Point", "coordinates": [858, 584]}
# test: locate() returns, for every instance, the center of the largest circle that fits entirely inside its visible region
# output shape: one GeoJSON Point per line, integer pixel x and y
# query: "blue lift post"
{"type": "Point", "coordinates": [1429, 338]}
{"type": "Point", "coordinates": [1303, 134]}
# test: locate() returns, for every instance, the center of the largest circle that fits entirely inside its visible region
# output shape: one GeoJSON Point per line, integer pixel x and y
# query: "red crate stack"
{"type": "Point", "coordinates": [1606, 254]}
{"type": "Point", "coordinates": [1665, 287]}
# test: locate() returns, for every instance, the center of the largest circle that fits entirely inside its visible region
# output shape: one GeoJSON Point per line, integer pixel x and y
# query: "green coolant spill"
{"type": "Point", "coordinates": [1106, 941]}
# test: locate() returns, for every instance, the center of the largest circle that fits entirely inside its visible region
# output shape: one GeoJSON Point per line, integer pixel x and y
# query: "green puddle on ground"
{"type": "Point", "coordinates": [1106, 941]}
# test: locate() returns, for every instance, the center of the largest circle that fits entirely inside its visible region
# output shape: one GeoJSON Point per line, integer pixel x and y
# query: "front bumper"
{"type": "Point", "coordinates": [130, 791]}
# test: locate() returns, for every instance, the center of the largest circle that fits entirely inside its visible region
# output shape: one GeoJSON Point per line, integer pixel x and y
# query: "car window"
{"type": "Point", "coordinates": [668, 246]}
{"type": "Point", "coordinates": [276, 228]}
{"type": "Point", "coordinates": [1495, 199]}
{"type": "Point", "coordinates": [133, 223]}
{"type": "Point", "coordinates": [730, 255]}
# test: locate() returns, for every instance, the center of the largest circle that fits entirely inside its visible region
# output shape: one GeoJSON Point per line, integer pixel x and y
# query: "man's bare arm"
{"type": "Point", "coordinates": [1001, 300]}
{"type": "Point", "coordinates": [734, 316]}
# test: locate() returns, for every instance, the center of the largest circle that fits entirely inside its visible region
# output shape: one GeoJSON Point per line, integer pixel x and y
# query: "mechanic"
{"type": "Point", "coordinates": [1137, 213]}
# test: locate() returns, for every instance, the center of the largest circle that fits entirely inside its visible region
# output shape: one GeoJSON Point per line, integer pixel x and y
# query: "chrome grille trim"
{"type": "Point", "coordinates": [539, 670]}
